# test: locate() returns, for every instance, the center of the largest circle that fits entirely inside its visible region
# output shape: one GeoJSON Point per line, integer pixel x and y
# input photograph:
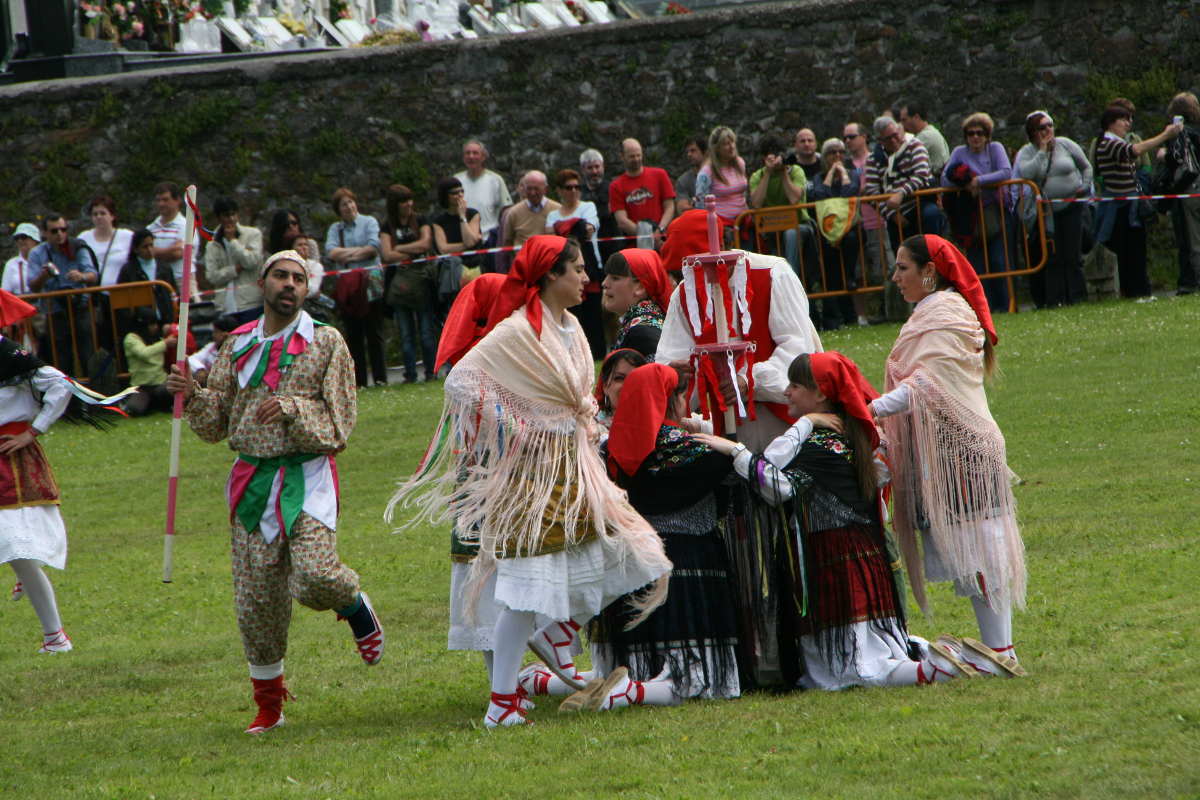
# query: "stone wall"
{"type": "Point", "coordinates": [287, 132]}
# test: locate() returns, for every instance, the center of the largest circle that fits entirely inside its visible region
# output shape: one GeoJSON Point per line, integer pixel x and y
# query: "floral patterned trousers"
{"type": "Point", "coordinates": [268, 575]}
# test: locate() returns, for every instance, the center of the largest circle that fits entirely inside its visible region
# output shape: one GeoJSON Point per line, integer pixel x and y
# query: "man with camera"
{"type": "Point", "coordinates": [778, 183]}
{"type": "Point", "coordinates": [58, 263]}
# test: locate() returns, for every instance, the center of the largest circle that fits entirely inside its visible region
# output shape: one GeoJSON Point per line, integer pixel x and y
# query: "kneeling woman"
{"type": "Point", "coordinates": [952, 482]}
{"type": "Point", "coordinates": [848, 613]}
{"type": "Point", "coordinates": [687, 647]}
{"type": "Point", "coordinates": [513, 465]}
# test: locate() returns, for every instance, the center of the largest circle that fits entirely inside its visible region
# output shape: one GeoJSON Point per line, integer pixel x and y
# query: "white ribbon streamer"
{"type": "Point", "coordinates": [710, 308]}
{"type": "Point", "coordinates": [737, 284]}
{"type": "Point", "coordinates": [689, 295]}
{"type": "Point", "coordinates": [737, 392]}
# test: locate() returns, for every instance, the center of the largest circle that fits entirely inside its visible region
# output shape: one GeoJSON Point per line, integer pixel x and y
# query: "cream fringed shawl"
{"type": "Point", "coordinates": [948, 455]}
{"type": "Point", "coordinates": [518, 418]}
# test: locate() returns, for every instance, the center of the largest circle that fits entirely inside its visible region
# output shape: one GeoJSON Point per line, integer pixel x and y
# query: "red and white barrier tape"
{"type": "Point", "coordinates": [486, 251]}
{"type": "Point", "coordinates": [1120, 197]}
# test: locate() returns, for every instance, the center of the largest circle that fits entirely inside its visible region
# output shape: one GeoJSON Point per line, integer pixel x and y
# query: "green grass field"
{"type": "Point", "coordinates": [1099, 407]}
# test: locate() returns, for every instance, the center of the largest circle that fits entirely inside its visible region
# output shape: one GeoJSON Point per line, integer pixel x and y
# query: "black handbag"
{"type": "Point", "coordinates": [1176, 173]}
{"type": "Point", "coordinates": [1182, 154]}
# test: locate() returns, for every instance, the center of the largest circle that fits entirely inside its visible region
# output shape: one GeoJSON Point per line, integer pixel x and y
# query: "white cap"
{"type": "Point", "coordinates": [27, 229]}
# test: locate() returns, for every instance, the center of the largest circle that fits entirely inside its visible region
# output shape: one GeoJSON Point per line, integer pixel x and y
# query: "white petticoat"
{"type": "Point", "coordinates": [936, 569]}
{"type": "Point", "coordinates": [877, 657]}
{"type": "Point", "coordinates": [475, 633]}
{"type": "Point", "coordinates": [33, 532]}
{"type": "Point", "coordinates": [573, 583]}
{"type": "Point", "coordinates": [467, 632]}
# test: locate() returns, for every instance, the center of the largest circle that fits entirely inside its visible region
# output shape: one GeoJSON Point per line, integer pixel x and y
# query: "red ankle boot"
{"type": "Point", "coordinates": [269, 695]}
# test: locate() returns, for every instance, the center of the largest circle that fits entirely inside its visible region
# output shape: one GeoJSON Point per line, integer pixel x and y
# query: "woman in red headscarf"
{"type": "Point", "coordinates": [512, 464]}
{"type": "Point", "coordinates": [687, 647]}
{"type": "Point", "coordinates": [952, 482]}
{"type": "Point", "coordinates": [842, 618]}
{"type": "Point", "coordinates": [638, 290]}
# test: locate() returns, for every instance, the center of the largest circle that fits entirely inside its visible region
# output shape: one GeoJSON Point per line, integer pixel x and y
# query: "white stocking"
{"type": "Point", "coordinates": [40, 593]}
{"type": "Point", "coordinates": [645, 693]}
{"type": "Point", "coordinates": [905, 674]}
{"type": "Point", "coordinates": [935, 669]}
{"type": "Point", "coordinates": [659, 693]}
{"type": "Point", "coordinates": [489, 659]}
{"type": "Point", "coordinates": [555, 687]}
{"type": "Point", "coordinates": [995, 626]}
{"type": "Point", "coordinates": [266, 672]}
{"type": "Point", "coordinates": [509, 639]}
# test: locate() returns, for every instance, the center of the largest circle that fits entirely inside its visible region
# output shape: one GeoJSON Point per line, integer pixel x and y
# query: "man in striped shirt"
{"type": "Point", "coordinates": [168, 230]}
{"type": "Point", "coordinates": [899, 167]}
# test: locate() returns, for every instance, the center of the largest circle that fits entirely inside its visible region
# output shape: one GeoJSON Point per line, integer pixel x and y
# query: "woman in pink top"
{"type": "Point", "coordinates": [724, 174]}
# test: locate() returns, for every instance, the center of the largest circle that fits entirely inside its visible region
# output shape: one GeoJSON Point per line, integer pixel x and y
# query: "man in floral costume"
{"type": "Point", "coordinates": [282, 390]}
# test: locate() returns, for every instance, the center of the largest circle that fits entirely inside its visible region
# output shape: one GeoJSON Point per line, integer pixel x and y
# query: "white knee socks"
{"type": "Point", "coordinates": [40, 593]}
{"type": "Point", "coordinates": [995, 626]}
{"type": "Point", "coordinates": [509, 641]}
{"type": "Point", "coordinates": [266, 672]}
{"type": "Point", "coordinates": [629, 692]}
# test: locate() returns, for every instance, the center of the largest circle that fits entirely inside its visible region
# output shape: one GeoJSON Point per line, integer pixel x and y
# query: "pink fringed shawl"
{"type": "Point", "coordinates": [948, 454]}
{"type": "Point", "coordinates": [519, 415]}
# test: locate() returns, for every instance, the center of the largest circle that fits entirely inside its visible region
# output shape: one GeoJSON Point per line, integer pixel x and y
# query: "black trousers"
{"type": "Point", "coordinates": [364, 338]}
{"type": "Point", "coordinates": [1061, 281]}
{"type": "Point", "coordinates": [1128, 243]}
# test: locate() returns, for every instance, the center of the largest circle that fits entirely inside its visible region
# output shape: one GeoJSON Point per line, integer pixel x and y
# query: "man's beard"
{"type": "Point", "coordinates": [275, 306]}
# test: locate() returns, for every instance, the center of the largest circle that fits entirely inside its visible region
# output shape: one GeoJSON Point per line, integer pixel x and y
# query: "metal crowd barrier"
{"type": "Point", "coordinates": [44, 331]}
{"type": "Point", "coordinates": [845, 273]}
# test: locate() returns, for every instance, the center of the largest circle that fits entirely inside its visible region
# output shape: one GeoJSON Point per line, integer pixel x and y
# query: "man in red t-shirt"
{"type": "Point", "coordinates": [642, 199]}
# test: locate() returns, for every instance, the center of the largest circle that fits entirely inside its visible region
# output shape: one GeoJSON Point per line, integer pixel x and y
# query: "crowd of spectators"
{"type": "Point", "coordinates": [410, 267]}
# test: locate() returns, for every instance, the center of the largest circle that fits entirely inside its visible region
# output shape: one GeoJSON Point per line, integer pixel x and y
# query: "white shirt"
{"type": "Point", "coordinates": [586, 211]}
{"type": "Point", "coordinates": [16, 276]}
{"type": "Point", "coordinates": [168, 233]}
{"type": "Point", "coordinates": [487, 194]}
{"type": "Point", "coordinates": [17, 403]}
{"type": "Point", "coordinates": [204, 357]}
{"type": "Point", "coordinates": [565, 332]}
{"type": "Point", "coordinates": [110, 255]}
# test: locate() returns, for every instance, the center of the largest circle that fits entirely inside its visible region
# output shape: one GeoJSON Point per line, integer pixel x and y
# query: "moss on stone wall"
{"type": "Point", "coordinates": [288, 132]}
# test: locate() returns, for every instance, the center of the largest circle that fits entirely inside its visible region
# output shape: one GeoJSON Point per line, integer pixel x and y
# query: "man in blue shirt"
{"type": "Point", "coordinates": [61, 262]}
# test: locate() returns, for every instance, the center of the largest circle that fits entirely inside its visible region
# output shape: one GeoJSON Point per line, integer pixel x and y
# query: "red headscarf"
{"type": "Point", "coordinates": [687, 235]}
{"type": "Point", "coordinates": [640, 414]}
{"type": "Point", "coordinates": [954, 267]}
{"type": "Point", "coordinates": [13, 309]}
{"type": "Point", "coordinates": [537, 256]}
{"type": "Point", "coordinates": [842, 381]}
{"type": "Point", "coordinates": [467, 321]}
{"type": "Point", "coordinates": [647, 267]}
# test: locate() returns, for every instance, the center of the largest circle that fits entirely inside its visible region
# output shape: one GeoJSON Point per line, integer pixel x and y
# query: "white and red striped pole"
{"type": "Point", "coordinates": [185, 298]}
{"type": "Point", "coordinates": [717, 292]}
